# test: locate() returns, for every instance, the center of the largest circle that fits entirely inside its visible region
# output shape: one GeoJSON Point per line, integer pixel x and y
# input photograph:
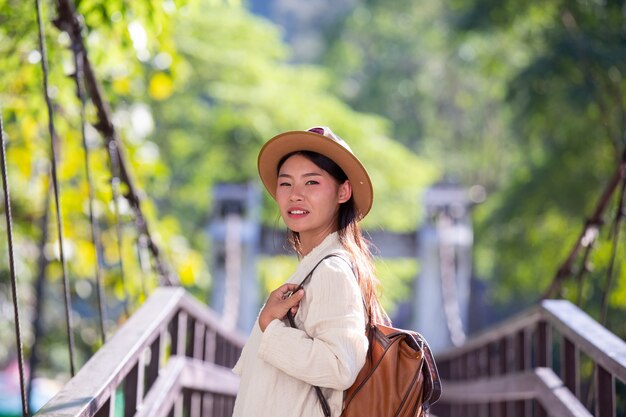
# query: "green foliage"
{"type": "Point", "coordinates": [28, 151]}
{"type": "Point", "coordinates": [195, 88]}
{"type": "Point", "coordinates": [569, 111]}
{"type": "Point", "coordinates": [442, 93]}
{"type": "Point", "coordinates": [236, 92]}
{"type": "Point", "coordinates": [523, 98]}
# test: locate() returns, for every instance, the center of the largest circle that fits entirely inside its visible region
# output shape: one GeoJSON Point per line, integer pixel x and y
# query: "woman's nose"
{"type": "Point", "coordinates": [296, 194]}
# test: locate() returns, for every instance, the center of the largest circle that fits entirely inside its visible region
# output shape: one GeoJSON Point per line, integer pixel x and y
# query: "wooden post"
{"type": "Point", "coordinates": [132, 391]}
{"type": "Point", "coordinates": [570, 371]}
{"type": "Point", "coordinates": [605, 393]}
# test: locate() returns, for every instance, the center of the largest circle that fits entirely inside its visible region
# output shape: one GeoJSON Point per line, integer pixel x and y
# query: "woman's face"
{"type": "Point", "coordinates": [308, 198]}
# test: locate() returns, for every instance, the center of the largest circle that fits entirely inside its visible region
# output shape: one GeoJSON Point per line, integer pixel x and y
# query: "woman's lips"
{"type": "Point", "coordinates": [297, 212]}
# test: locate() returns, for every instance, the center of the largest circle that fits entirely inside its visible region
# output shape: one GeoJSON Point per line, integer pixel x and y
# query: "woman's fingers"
{"type": "Point", "coordinates": [279, 303]}
{"type": "Point", "coordinates": [292, 299]}
{"type": "Point", "coordinates": [285, 290]}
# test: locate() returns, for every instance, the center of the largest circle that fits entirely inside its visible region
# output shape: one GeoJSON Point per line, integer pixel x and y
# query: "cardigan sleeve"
{"type": "Point", "coordinates": [330, 347]}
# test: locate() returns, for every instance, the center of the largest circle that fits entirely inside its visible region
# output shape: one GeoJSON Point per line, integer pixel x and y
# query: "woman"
{"type": "Point", "coordinates": [322, 191]}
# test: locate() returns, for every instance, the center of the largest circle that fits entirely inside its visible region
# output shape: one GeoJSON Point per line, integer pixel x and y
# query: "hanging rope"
{"type": "Point", "coordinates": [115, 189]}
{"type": "Point", "coordinates": [16, 310]}
{"type": "Point", "coordinates": [619, 215]}
{"type": "Point", "coordinates": [144, 261]}
{"type": "Point", "coordinates": [584, 266]}
{"type": "Point", "coordinates": [53, 142]}
{"type": "Point", "coordinates": [69, 22]}
{"type": "Point", "coordinates": [594, 222]}
{"type": "Point", "coordinates": [448, 274]}
{"type": "Point", "coordinates": [95, 229]}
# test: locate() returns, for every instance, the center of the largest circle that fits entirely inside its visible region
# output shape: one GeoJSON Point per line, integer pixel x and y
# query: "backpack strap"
{"type": "Point", "coordinates": [292, 323]}
{"type": "Point", "coordinates": [310, 274]}
{"type": "Point", "coordinates": [432, 390]}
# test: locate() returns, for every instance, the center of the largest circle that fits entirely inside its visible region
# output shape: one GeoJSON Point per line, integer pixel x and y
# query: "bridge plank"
{"type": "Point", "coordinates": [165, 391]}
{"type": "Point", "coordinates": [540, 384]}
{"type": "Point", "coordinates": [602, 346]}
{"type": "Point", "coordinates": [213, 321]}
{"type": "Point", "coordinates": [97, 380]}
{"type": "Point", "coordinates": [207, 377]}
{"type": "Point", "coordinates": [186, 373]}
{"type": "Point", "coordinates": [95, 384]}
{"type": "Point", "coordinates": [495, 334]}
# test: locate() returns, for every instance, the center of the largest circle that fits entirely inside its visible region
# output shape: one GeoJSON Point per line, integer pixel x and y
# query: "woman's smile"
{"type": "Point", "coordinates": [297, 212]}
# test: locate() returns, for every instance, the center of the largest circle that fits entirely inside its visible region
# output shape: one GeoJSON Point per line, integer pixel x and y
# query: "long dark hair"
{"type": "Point", "coordinates": [350, 237]}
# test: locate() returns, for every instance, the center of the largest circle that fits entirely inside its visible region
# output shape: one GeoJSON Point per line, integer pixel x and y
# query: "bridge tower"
{"type": "Point", "coordinates": [442, 290]}
{"type": "Point", "coordinates": [236, 235]}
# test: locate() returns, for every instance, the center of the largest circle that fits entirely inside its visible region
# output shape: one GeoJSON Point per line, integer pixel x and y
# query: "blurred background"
{"type": "Point", "coordinates": [493, 124]}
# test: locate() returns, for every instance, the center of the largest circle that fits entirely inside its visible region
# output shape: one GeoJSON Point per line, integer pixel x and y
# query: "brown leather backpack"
{"type": "Point", "coordinates": [399, 378]}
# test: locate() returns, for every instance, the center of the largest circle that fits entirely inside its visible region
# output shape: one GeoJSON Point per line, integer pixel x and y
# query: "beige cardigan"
{"type": "Point", "coordinates": [279, 366]}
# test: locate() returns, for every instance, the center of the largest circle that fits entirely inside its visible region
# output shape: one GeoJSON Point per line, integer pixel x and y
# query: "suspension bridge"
{"type": "Point", "coordinates": [173, 355]}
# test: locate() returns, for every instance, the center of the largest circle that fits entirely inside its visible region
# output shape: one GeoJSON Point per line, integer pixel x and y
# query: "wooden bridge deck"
{"type": "Point", "coordinates": [173, 358]}
{"type": "Point", "coordinates": [551, 360]}
{"type": "Point", "coordinates": [172, 355]}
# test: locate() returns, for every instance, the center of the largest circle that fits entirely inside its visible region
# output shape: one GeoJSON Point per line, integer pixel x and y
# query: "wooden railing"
{"type": "Point", "coordinates": [552, 360]}
{"type": "Point", "coordinates": [172, 357]}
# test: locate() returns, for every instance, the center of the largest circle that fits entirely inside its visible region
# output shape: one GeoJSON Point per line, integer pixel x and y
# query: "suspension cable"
{"type": "Point", "coordinates": [16, 310]}
{"type": "Point", "coordinates": [95, 229]}
{"type": "Point", "coordinates": [144, 261]}
{"type": "Point", "coordinates": [448, 275]}
{"type": "Point", "coordinates": [53, 143]}
{"type": "Point", "coordinates": [619, 215]}
{"type": "Point", "coordinates": [594, 222]}
{"type": "Point", "coordinates": [584, 268]}
{"type": "Point", "coordinates": [68, 21]}
{"type": "Point", "coordinates": [115, 190]}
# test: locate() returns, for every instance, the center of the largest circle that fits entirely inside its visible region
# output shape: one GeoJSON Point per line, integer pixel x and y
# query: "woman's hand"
{"type": "Point", "coordinates": [279, 302]}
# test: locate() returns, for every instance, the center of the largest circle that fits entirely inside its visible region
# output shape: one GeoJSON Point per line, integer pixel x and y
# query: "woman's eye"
{"type": "Point", "coordinates": [283, 184]}
{"type": "Point", "coordinates": [311, 182]}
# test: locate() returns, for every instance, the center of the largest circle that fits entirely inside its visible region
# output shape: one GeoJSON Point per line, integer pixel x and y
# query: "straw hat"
{"type": "Point", "coordinates": [323, 141]}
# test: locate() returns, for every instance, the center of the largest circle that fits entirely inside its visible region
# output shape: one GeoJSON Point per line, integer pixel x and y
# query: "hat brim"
{"type": "Point", "coordinates": [285, 143]}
